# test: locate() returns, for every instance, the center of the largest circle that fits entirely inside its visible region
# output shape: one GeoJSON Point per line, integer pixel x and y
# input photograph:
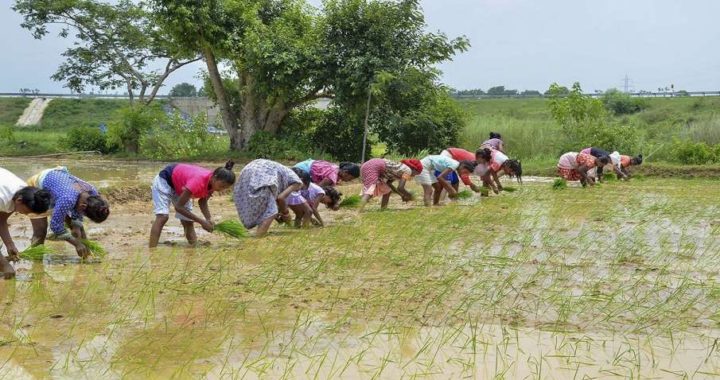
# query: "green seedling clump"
{"type": "Point", "coordinates": [559, 184]}
{"type": "Point", "coordinates": [231, 228]}
{"type": "Point", "coordinates": [465, 194]}
{"type": "Point", "coordinates": [351, 201]}
{"type": "Point", "coordinates": [35, 253]}
{"type": "Point", "coordinates": [509, 189]}
{"type": "Point", "coordinates": [484, 191]}
{"type": "Point", "coordinates": [95, 248]}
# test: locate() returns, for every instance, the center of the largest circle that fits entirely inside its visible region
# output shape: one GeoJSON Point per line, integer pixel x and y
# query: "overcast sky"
{"type": "Point", "coordinates": [521, 44]}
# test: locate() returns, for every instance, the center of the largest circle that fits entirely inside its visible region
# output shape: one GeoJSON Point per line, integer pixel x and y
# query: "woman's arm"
{"type": "Point", "coordinates": [203, 202]}
{"type": "Point", "coordinates": [316, 210]}
{"type": "Point", "coordinates": [326, 182]}
{"type": "Point", "coordinates": [282, 197]}
{"type": "Point", "coordinates": [180, 209]}
{"type": "Point", "coordinates": [445, 184]}
{"type": "Point", "coordinates": [6, 238]}
{"type": "Point", "coordinates": [496, 180]}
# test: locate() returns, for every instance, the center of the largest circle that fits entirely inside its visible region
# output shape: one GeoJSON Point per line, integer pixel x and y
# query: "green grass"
{"type": "Point", "coordinates": [63, 114]}
{"type": "Point", "coordinates": [351, 201]}
{"type": "Point", "coordinates": [531, 134]}
{"type": "Point", "coordinates": [11, 109]}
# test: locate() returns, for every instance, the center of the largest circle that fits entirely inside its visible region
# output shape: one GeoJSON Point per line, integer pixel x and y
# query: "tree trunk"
{"type": "Point", "coordinates": [228, 117]}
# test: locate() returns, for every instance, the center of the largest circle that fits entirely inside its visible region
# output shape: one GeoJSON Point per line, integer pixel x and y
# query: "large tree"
{"type": "Point", "coordinates": [282, 54]}
{"type": "Point", "coordinates": [116, 44]}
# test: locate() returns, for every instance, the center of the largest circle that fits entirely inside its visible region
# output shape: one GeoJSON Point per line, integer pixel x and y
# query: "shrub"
{"type": "Point", "coordinates": [177, 137]}
{"type": "Point", "coordinates": [7, 134]}
{"type": "Point", "coordinates": [132, 124]}
{"type": "Point", "coordinates": [340, 134]}
{"type": "Point", "coordinates": [85, 138]}
{"type": "Point", "coordinates": [621, 103]}
{"type": "Point", "coordinates": [692, 153]}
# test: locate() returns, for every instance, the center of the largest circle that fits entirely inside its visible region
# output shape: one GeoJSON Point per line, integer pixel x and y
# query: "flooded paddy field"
{"type": "Point", "coordinates": [618, 281]}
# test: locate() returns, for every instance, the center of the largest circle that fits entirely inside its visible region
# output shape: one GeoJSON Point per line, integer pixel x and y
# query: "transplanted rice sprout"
{"type": "Point", "coordinates": [35, 253]}
{"type": "Point", "coordinates": [231, 228]}
{"type": "Point", "coordinates": [509, 189]}
{"type": "Point", "coordinates": [559, 184]}
{"type": "Point", "coordinates": [95, 248]}
{"type": "Point", "coordinates": [351, 201]}
{"type": "Point", "coordinates": [465, 194]}
{"type": "Point", "coordinates": [484, 191]}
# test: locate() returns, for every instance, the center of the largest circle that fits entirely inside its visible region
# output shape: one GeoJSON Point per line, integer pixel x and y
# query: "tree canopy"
{"type": "Point", "coordinates": [116, 44]}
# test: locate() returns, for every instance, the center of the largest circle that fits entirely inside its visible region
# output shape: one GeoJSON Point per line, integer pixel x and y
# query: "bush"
{"type": "Point", "coordinates": [340, 135]}
{"type": "Point", "coordinates": [178, 138]}
{"type": "Point", "coordinates": [85, 138]}
{"type": "Point", "coordinates": [435, 128]}
{"type": "Point", "coordinates": [7, 134]}
{"type": "Point", "coordinates": [621, 103]}
{"type": "Point", "coordinates": [692, 153]}
{"type": "Point", "coordinates": [133, 123]}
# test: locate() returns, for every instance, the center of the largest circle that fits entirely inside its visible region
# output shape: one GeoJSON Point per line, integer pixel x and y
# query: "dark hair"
{"type": "Point", "coordinates": [37, 200]}
{"type": "Point", "coordinates": [467, 164]}
{"type": "Point", "coordinates": [637, 160]}
{"type": "Point", "coordinates": [225, 173]}
{"type": "Point", "coordinates": [334, 196]}
{"type": "Point", "coordinates": [604, 160]}
{"type": "Point", "coordinates": [350, 168]}
{"type": "Point", "coordinates": [495, 135]}
{"type": "Point", "coordinates": [97, 209]}
{"type": "Point", "coordinates": [484, 153]}
{"type": "Point", "coordinates": [304, 176]}
{"type": "Point", "coordinates": [516, 168]}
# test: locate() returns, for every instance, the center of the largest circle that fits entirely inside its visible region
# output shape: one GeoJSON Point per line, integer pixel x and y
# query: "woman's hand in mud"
{"type": "Point", "coordinates": [452, 194]}
{"type": "Point", "coordinates": [8, 271]}
{"type": "Point", "coordinates": [475, 188]}
{"type": "Point", "coordinates": [208, 225]}
{"type": "Point", "coordinates": [82, 250]}
{"type": "Point", "coordinates": [284, 217]}
{"type": "Point", "coordinates": [13, 253]}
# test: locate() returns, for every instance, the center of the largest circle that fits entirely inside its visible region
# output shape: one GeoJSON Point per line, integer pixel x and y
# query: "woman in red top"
{"type": "Point", "coordinates": [627, 161]}
{"type": "Point", "coordinates": [179, 184]}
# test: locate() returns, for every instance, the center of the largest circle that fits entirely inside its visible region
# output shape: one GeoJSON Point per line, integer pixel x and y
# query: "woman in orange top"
{"type": "Point", "coordinates": [627, 161]}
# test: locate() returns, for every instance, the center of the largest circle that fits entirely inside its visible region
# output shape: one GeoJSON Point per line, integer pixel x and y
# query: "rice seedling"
{"type": "Point", "coordinates": [510, 189]}
{"type": "Point", "coordinates": [35, 253]}
{"type": "Point", "coordinates": [559, 184]}
{"type": "Point", "coordinates": [484, 191]}
{"type": "Point", "coordinates": [464, 194]}
{"type": "Point", "coordinates": [232, 228]}
{"type": "Point", "coordinates": [95, 248]}
{"type": "Point", "coordinates": [351, 201]}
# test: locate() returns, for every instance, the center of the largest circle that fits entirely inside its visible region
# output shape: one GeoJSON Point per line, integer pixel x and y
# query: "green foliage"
{"type": "Point", "coordinates": [501, 91]}
{"type": "Point", "coordinates": [183, 90]}
{"type": "Point", "coordinates": [11, 109]}
{"type": "Point", "coordinates": [695, 153]}
{"type": "Point", "coordinates": [351, 201]}
{"type": "Point", "coordinates": [94, 247]}
{"type": "Point", "coordinates": [464, 194]}
{"type": "Point", "coordinates": [67, 113]}
{"type": "Point", "coordinates": [621, 103]}
{"type": "Point", "coordinates": [35, 253]}
{"type": "Point", "coordinates": [413, 113]}
{"type": "Point", "coordinates": [115, 44]}
{"type": "Point", "coordinates": [85, 138]}
{"type": "Point", "coordinates": [7, 134]}
{"type": "Point", "coordinates": [584, 122]}
{"type": "Point", "coordinates": [131, 125]}
{"type": "Point", "coordinates": [175, 138]}
{"type": "Point", "coordinates": [340, 135]}
{"type": "Point", "coordinates": [559, 184]}
{"type": "Point", "coordinates": [231, 228]}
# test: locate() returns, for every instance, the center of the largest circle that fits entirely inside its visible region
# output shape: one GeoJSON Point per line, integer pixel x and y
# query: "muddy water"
{"type": "Point", "coordinates": [231, 310]}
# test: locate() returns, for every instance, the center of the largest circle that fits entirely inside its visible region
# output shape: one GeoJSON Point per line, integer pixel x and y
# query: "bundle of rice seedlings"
{"type": "Point", "coordinates": [231, 228]}
{"type": "Point", "coordinates": [95, 248]}
{"type": "Point", "coordinates": [484, 191]}
{"type": "Point", "coordinates": [351, 201]}
{"type": "Point", "coordinates": [559, 184]}
{"type": "Point", "coordinates": [465, 194]}
{"type": "Point", "coordinates": [509, 189]}
{"type": "Point", "coordinates": [35, 253]}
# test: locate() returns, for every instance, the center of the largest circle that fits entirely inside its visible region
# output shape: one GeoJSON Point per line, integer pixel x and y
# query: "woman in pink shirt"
{"type": "Point", "coordinates": [179, 184]}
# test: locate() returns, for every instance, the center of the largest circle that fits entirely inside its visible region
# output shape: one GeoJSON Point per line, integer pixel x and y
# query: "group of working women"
{"type": "Point", "coordinates": [587, 165]}
{"type": "Point", "coordinates": [266, 191]}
